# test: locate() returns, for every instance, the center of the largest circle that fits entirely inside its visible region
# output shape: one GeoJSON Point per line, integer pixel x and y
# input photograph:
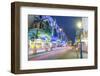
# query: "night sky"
{"type": "Point", "coordinates": [68, 24]}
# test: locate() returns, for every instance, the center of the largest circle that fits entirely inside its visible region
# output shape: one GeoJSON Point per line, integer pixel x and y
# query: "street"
{"type": "Point", "coordinates": [58, 53]}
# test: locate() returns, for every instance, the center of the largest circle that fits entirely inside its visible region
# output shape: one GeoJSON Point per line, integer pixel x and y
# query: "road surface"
{"type": "Point", "coordinates": [58, 53]}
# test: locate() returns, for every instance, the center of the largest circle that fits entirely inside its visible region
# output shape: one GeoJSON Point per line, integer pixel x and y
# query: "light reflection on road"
{"type": "Point", "coordinates": [54, 53]}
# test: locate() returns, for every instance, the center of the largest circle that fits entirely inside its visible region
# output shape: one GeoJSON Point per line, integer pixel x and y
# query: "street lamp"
{"type": "Point", "coordinates": [60, 29]}
{"type": "Point", "coordinates": [79, 25]}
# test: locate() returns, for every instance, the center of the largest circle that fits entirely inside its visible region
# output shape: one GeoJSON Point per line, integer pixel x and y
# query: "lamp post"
{"type": "Point", "coordinates": [79, 25]}
{"type": "Point", "coordinates": [60, 33]}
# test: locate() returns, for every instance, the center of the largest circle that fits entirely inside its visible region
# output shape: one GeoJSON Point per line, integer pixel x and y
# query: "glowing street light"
{"type": "Point", "coordinates": [79, 25]}
{"type": "Point", "coordinates": [60, 29]}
